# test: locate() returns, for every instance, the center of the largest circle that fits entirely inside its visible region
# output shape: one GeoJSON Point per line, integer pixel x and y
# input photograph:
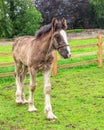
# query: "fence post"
{"type": "Point", "coordinates": [54, 64]}
{"type": "Point", "coordinates": [100, 58]}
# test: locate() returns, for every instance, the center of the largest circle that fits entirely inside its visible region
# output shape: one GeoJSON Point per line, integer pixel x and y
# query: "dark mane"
{"type": "Point", "coordinates": [43, 30]}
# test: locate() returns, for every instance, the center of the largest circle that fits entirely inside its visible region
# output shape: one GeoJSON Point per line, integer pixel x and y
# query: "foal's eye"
{"type": "Point", "coordinates": [58, 38]}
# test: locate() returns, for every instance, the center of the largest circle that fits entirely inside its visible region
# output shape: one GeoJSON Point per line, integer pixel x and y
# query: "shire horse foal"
{"type": "Point", "coordinates": [34, 54]}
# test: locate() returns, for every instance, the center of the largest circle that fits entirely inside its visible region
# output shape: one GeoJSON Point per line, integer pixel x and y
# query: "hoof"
{"type": "Point", "coordinates": [51, 116]}
{"type": "Point", "coordinates": [19, 102]}
{"type": "Point", "coordinates": [32, 109]}
{"type": "Point", "coordinates": [25, 101]}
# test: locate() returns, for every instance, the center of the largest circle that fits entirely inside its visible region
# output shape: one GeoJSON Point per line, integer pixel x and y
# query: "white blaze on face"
{"type": "Point", "coordinates": [63, 34]}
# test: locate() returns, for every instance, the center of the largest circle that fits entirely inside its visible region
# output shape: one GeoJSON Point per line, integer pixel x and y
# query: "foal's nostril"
{"type": "Point", "coordinates": [69, 55]}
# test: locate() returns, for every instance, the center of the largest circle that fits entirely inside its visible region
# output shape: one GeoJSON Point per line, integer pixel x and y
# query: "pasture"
{"type": "Point", "coordinates": [77, 97]}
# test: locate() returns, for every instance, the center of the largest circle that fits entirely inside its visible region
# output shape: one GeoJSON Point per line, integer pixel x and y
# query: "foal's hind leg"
{"type": "Point", "coordinates": [32, 89]}
{"type": "Point", "coordinates": [18, 83]}
{"type": "Point", "coordinates": [22, 77]}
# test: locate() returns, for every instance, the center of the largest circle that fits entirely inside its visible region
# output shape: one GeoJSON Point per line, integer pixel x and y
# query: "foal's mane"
{"type": "Point", "coordinates": [43, 30]}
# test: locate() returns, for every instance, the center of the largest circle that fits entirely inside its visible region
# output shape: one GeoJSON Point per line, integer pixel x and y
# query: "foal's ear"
{"type": "Point", "coordinates": [54, 22]}
{"type": "Point", "coordinates": [64, 24]}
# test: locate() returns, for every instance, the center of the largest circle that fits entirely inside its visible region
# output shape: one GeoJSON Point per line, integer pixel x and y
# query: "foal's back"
{"type": "Point", "coordinates": [23, 41]}
{"type": "Point", "coordinates": [23, 49]}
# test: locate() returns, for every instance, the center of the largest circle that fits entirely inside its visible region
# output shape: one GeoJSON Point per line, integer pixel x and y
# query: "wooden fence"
{"type": "Point", "coordinates": [55, 67]}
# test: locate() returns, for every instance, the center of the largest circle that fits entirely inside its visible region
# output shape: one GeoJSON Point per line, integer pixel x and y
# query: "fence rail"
{"type": "Point", "coordinates": [77, 64]}
{"type": "Point", "coordinates": [84, 46]}
{"type": "Point", "coordinates": [7, 74]}
{"type": "Point", "coordinates": [5, 53]}
{"type": "Point", "coordinates": [55, 67]}
{"type": "Point", "coordinates": [6, 64]}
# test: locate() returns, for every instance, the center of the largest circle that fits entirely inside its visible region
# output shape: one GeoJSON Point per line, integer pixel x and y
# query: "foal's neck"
{"type": "Point", "coordinates": [47, 43]}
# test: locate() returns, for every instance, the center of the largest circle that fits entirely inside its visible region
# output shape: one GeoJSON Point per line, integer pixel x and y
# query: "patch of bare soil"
{"type": "Point", "coordinates": [5, 43]}
{"type": "Point", "coordinates": [87, 33]}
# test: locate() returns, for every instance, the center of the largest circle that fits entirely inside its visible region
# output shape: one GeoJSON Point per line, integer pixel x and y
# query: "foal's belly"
{"type": "Point", "coordinates": [42, 67]}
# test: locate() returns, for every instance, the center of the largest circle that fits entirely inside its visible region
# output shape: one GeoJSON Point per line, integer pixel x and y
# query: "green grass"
{"type": "Point", "coordinates": [77, 98]}
{"type": "Point", "coordinates": [78, 103]}
{"type": "Point", "coordinates": [6, 59]}
{"type": "Point", "coordinates": [5, 48]}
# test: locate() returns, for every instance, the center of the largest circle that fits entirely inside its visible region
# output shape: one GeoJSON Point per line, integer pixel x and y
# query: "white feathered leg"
{"type": "Point", "coordinates": [47, 90]}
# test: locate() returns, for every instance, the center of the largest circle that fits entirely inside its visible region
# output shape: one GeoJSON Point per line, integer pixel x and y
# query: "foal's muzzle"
{"type": "Point", "coordinates": [64, 53]}
{"type": "Point", "coordinates": [69, 55]}
{"type": "Point", "coordinates": [66, 56]}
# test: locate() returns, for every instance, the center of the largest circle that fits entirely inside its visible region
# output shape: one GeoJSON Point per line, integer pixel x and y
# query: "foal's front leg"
{"type": "Point", "coordinates": [32, 89]}
{"type": "Point", "coordinates": [47, 90]}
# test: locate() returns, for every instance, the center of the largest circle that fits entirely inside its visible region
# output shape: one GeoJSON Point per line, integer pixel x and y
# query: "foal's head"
{"type": "Point", "coordinates": [60, 38]}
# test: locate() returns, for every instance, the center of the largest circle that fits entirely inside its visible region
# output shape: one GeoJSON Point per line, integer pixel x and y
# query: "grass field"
{"type": "Point", "coordinates": [77, 97]}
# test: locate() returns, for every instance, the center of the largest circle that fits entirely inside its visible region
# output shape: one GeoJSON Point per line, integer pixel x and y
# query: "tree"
{"type": "Point", "coordinates": [98, 9]}
{"type": "Point", "coordinates": [18, 17]}
{"type": "Point", "coordinates": [5, 22]}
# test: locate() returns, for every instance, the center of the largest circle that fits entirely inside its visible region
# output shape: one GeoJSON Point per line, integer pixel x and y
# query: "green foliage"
{"type": "Point", "coordinates": [18, 17]}
{"type": "Point", "coordinates": [5, 22]}
{"type": "Point", "coordinates": [6, 27]}
{"type": "Point", "coordinates": [98, 12]}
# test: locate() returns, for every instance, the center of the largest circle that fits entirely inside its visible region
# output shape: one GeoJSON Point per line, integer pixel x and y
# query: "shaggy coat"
{"type": "Point", "coordinates": [34, 54]}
